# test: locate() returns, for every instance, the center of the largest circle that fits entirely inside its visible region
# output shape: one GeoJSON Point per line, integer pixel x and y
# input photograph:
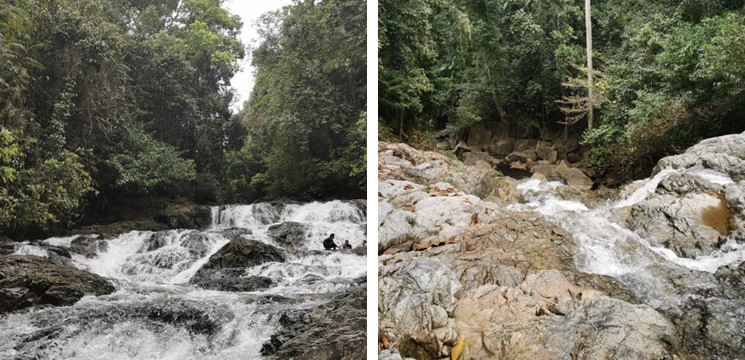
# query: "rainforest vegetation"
{"type": "Point", "coordinates": [667, 73]}
{"type": "Point", "coordinates": [106, 100]}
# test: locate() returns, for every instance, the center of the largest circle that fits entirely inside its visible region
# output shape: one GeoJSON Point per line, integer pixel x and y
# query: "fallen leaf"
{"type": "Point", "coordinates": [457, 349]}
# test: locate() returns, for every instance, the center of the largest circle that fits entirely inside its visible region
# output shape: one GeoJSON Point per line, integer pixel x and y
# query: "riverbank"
{"type": "Point", "coordinates": [546, 267]}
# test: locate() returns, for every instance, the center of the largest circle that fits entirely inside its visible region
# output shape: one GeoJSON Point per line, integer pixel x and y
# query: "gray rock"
{"type": "Point", "coordinates": [335, 330]}
{"type": "Point", "coordinates": [30, 280]}
{"type": "Point", "coordinates": [725, 154]}
{"type": "Point", "coordinates": [417, 301]}
{"type": "Point", "coordinates": [90, 245]}
{"type": "Point", "coordinates": [288, 234]}
{"type": "Point", "coordinates": [502, 147]}
{"type": "Point", "coordinates": [239, 253]}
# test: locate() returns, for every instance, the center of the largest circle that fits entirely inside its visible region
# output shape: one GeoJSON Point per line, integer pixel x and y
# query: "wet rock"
{"type": "Point", "coordinates": [29, 280]}
{"type": "Point", "coordinates": [197, 242]}
{"type": "Point", "coordinates": [89, 245]}
{"type": "Point", "coordinates": [196, 316]}
{"type": "Point", "coordinates": [268, 213]}
{"type": "Point", "coordinates": [335, 330]}
{"type": "Point", "coordinates": [234, 233]}
{"type": "Point", "coordinates": [690, 225]}
{"type": "Point", "coordinates": [232, 280]}
{"type": "Point", "coordinates": [289, 234]}
{"type": "Point", "coordinates": [239, 253]}
{"type": "Point", "coordinates": [7, 245]}
{"type": "Point", "coordinates": [185, 216]}
{"type": "Point", "coordinates": [154, 242]}
{"type": "Point", "coordinates": [573, 177]}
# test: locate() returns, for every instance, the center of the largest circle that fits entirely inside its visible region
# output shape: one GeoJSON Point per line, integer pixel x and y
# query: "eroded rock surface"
{"type": "Point", "coordinates": [31, 280]}
{"type": "Point", "coordinates": [223, 269]}
{"type": "Point", "coordinates": [517, 271]}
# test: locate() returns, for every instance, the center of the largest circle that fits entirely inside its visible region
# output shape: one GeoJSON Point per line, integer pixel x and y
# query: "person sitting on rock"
{"type": "Point", "coordinates": [329, 244]}
{"type": "Point", "coordinates": [346, 245]}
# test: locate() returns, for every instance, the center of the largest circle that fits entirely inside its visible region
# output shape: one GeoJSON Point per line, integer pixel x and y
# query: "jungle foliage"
{"type": "Point", "coordinates": [669, 72]}
{"type": "Point", "coordinates": [103, 100]}
{"type": "Point", "coordinates": [306, 115]}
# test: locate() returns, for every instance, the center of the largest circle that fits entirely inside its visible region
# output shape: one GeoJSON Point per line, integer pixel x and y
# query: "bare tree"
{"type": "Point", "coordinates": [590, 85]}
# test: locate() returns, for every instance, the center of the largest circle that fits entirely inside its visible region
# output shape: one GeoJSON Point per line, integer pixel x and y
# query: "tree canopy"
{"type": "Point", "coordinates": [668, 73]}
{"type": "Point", "coordinates": [109, 99]}
{"type": "Point", "coordinates": [306, 115]}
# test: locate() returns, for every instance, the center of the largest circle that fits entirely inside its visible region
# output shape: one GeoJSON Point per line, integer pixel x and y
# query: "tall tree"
{"type": "Point", "coordinates": [590, 83]}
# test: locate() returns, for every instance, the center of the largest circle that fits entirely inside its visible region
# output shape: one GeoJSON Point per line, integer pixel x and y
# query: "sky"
{"type": "Point", "coordinates": [249, 11]}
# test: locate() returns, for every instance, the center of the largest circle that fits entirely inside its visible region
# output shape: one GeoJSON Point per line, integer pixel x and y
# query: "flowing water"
{"type": "Point", "coordinates": [608, 247]}
{"type": "Point", "coordinates": [156, 314]}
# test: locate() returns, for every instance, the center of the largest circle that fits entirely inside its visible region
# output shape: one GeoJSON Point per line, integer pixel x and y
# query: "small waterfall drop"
{"type": "Point", "coordinates": [608, 247]}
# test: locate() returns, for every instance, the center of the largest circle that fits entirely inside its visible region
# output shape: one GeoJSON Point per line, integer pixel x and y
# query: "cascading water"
{"type": "Point", "coordinates": [155, 313]}
{"type": "Point", "coordinates": [608, 247]}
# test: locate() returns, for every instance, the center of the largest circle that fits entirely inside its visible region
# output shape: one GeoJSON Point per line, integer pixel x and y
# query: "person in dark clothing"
{"type": "Point", "coordinates": [328, 243]}
{"type": "Point", "coordinates": [346, 245]}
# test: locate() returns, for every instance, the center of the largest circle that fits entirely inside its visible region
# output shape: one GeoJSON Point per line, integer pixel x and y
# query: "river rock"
{"type": "Point", "coordinates": [197, 242]}
{"type": "Point", "coordinates": [30, 280]}
{"type": "Point", "coordinates": [334, 330]}
{"type": "Point", "coordinates": [89, 245]}
{"type": "Point", "coordinates": [547, 317]}
{"type": "Point", "coordinates": [62, 325]}
{"type": "Point", "coordinates": [473, 157]}
{"type": "Point", "coordinates": [239, 253]}
{"type": "Point", "coordinates": [690, 226]}
{"type": "Point", "coordinates": [402, 162]}
{"type": "Point", "coordinates": [288, 234]}
{"type": "Point", "coordinates": [232, 279]}
{"type": "Point", "coordinates": [546, 152]}
{"type": "Point", "coordinates": [179, 216]}
{"type": "Point", "coordinates": [502, 147]}
{"type": "Point", "coordinates": [418, 300]}
{"type": "Point", "coordinates": [725, 154]}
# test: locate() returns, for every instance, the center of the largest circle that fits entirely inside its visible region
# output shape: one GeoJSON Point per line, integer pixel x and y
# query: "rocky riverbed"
{"type": "Point", "coordinates": [255, 284]}
{"type": "Point", "coordinates": [545, 268]}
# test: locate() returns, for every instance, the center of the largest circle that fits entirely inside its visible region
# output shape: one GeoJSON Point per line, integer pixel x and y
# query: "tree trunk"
{"type": "Point", "coordinates": [590, 84]}
{"type": "Point", "coordinates": [494, 96]}
{"type": "Point", "coordinates": [400, 124]}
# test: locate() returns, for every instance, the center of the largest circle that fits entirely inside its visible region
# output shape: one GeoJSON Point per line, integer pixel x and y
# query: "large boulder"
{"type": "Point", "coordinates": [289, 234]}
{"type": "Point", "coordinates": [185, 216]}
{"type": "Point", "coordinates": [547, 317]}
{"type": "Point", "coordinates": [573, 177]}
{"type": "Point", "coordinates": [690, 225]}
{"type": "Point", "coordinates": [30, 280]}
{"type": "Point", "coordinates": [725, 154]}
{"type": "Point", "coordinates": [240, 253]}
{"type": "Point", "coordinates": [473, 157]}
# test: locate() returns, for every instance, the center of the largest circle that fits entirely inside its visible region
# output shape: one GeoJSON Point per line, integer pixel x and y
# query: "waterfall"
{"type": "Point", "coordinates": [155, 313]}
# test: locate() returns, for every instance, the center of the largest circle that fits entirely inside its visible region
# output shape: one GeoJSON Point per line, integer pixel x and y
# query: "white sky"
{"type": "Point", "coordinates": [249, 11]}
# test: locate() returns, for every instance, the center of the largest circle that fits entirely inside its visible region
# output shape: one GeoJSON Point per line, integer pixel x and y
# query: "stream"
{"type": "Point", "coordinates": [155, 313]}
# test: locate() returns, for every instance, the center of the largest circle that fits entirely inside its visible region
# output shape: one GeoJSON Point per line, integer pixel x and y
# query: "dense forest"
{"type": "Point", "coordinates": [104, 101]}
{"type": "Point", "coordinates": [666, 73]}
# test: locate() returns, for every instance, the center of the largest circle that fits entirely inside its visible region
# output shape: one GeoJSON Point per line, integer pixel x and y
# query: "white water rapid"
{"type": "Point", "coordinates": [155, 313]}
